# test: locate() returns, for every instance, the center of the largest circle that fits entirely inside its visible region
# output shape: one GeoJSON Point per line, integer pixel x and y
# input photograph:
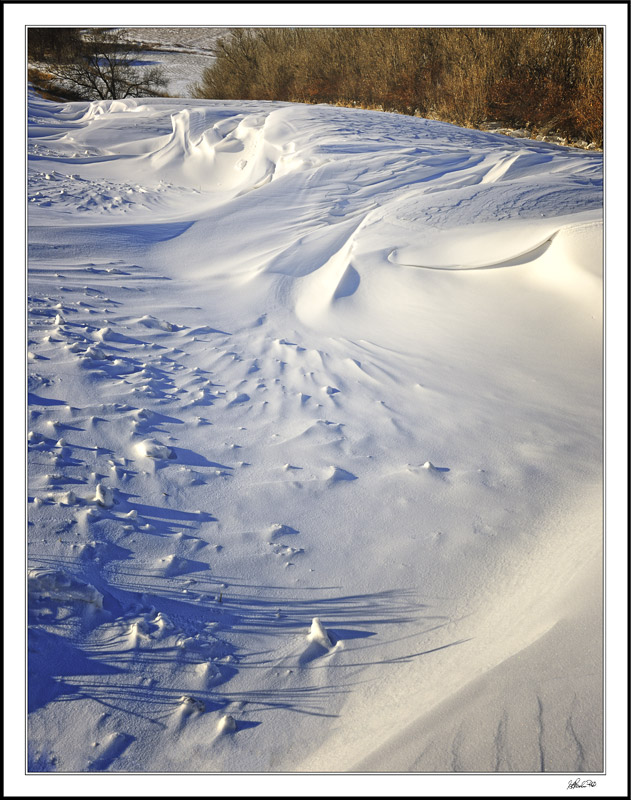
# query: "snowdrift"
{"type": "Point", "coordinates": [315, 442]}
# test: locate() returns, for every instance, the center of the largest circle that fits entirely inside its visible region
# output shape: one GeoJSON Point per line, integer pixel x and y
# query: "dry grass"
{"type": "Point", "coordinates": [542, 79]}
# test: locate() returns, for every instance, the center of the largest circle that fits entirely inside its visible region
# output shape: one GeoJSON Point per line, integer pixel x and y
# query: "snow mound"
{"type": "Point", "coordinates": [337, 474]}
{"type": "Point", "coordinates": [69, 498]}
{"type": "Point", "coordinates": [104, 496]}
{"type": "Point", "coordinates": [104, 334]}
{"type": "Point", "coordinates": [143, 414]}
{"type": "Point", "coordinates": [172, 565]}
{"type": "Point", "coordinates": [61, 587]}
{"type": "Point", "coordinates": [239, 399]}
{"type": "Point", "coordinates": [152, 448]}
{"type": "Point", "coordinates": [190, 705]}
{"type": "Point", "coordinates": [319, 634]}
{"type": "Point", "coordinates": [277, 530]}
{"type": "Point", "coordinates": [95, 353]}
{"type": "Point", "coordinates": [227, 724]}
{"type": "Point", "coordinates": [228, 154]}
{"type": "Point", "coordinates": [160, 324]}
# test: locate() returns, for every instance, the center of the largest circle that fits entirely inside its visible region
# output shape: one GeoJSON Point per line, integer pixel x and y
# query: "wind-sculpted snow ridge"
{"type": "Point", "coordinates": [314, 435]}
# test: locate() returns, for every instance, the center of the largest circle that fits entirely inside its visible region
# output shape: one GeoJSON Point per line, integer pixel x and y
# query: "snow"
{"type": "Point", "coordinates": [315, 442]}
{"type": "Point", "coordinates": [183, 53]}
{"type": "Point", "coordinates": [319, 635]}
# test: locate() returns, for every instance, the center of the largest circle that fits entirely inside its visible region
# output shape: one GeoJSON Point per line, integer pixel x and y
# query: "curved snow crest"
{"type": "Point", "coordinates": [440, 203]}
{"type": "Point", "coordinates": [333, 281]}
{"type": "Point", "coordinates": [227, 154]}
{"type": "Point", "coordinates": [472, 246]}
{"type": "Point", "coordinates": [85, 111]}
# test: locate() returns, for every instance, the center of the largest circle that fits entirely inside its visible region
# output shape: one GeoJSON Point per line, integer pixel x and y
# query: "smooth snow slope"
{"type": "Point", "coordinates": [315, 442]}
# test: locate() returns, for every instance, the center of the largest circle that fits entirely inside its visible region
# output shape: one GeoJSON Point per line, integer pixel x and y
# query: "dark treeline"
{"type": "Point", "coordinates": [58, 45]}
{"type": "Point", "coordinates": [549, 80]}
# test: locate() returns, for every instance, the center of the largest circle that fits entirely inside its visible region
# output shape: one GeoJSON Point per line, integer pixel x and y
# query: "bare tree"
{"type": "Point", "coordinates": [105, 66]}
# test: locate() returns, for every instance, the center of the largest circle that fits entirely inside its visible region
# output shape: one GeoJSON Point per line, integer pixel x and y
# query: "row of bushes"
{"type": "Point", "coordinates": [549, 80]}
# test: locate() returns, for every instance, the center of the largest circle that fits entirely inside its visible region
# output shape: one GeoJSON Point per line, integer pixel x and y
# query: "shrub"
{"type": "Point", "coordinates": [540, 78]}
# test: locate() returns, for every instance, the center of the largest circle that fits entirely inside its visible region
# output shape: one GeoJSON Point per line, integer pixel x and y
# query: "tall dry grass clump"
{"type": "Point", "coordinates": [545, 79]}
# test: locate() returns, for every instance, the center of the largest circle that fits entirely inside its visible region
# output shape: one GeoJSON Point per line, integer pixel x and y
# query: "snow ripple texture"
{"type": "Point", "coordinates": [314, 442]}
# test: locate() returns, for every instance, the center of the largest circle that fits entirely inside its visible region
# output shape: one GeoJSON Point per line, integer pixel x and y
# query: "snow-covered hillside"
{"type": "Point", "coordinates": [315, 443]}
{"type": "Point", "coordinates": [182, 53]}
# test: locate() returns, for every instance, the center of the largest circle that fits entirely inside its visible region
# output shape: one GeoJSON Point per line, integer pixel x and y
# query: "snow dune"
{"type": "Point", "coordinates": [315, 442]}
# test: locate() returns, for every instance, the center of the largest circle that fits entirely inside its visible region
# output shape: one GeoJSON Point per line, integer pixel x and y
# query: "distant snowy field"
{"type": "Point", "coordinates": [183, 53]}
{"type": "Point", "coordinates": [315, 443]}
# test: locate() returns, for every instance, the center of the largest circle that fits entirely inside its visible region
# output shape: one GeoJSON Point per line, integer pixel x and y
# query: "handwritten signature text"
{"type": "Point", "coordinates": [578, 784]}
